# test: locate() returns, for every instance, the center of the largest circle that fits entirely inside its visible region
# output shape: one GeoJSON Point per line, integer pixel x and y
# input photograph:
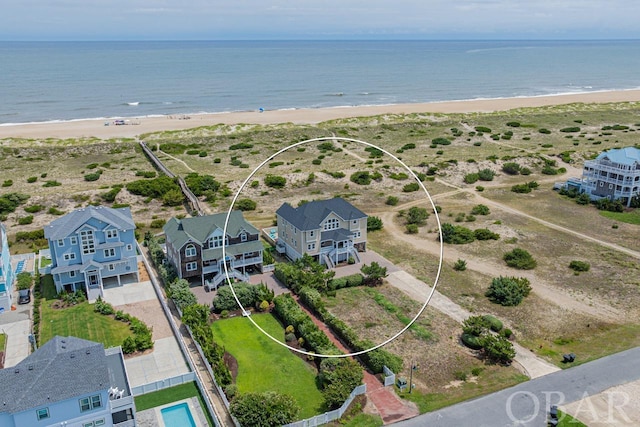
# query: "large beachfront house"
{"type": "Point", "coordinates": [614, 174]}
{"type": "Point", "coordinates": [91, 248]}
{"type": "Point", "coordinates": [331, 231]}
{"type": "Point", "coordinates": [68, 382]}
{"type": "Point", "coordinates": [194, 247]}
{"type": "Point", "coordinates": [6, 272]}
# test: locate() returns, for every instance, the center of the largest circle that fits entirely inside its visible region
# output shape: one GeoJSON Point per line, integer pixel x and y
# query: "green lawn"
{"type": "Point", "coordinates": [631, 217]}
{"type": "Point", "coordinates": [566, 420]}
{"type": "Point", "coordinates": [264, 365]}
{"type": "Point", "coordinates": [82, 322]}
{"type": "Point", "coordinates": [171, 394]}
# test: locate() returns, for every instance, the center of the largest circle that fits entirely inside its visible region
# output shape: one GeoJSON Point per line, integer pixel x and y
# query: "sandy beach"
{"type": "Point", "coordinates": [141, 125]}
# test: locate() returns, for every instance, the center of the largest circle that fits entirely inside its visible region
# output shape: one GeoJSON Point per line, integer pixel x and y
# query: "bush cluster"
{"type": "Point", "coordinates": [142, 334]}
{"type": "Point", "coordinates": [249, 296]}
{"type": "Point", "coordinates": [520, 259]}
{"type": "Point", "coordinates": [476, 335]}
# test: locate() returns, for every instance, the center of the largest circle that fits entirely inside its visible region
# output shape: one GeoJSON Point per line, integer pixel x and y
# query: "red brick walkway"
{"type": "Point", "coordinates": [389, 406]}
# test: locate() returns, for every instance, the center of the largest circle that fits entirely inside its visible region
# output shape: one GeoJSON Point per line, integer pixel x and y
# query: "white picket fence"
{"type": "Point", "coordinates": [331, 415]}
{"type": "Point", "coordinates": [162, 384]}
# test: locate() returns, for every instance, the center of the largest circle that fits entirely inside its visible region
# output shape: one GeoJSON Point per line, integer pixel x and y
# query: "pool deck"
{"type": "Point", "coordinates": [153, 417]}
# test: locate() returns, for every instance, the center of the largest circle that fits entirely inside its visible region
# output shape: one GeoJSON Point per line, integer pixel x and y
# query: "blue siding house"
{"type": "Point", "coordinates": [68, 382]}
{"type": "Point", "coordinates": [6, 272]}
{"type": "Point", "coordinates": [91, 248]}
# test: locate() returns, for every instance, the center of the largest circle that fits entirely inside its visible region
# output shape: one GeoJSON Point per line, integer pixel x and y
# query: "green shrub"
{"type": "Point", "coordinates": [482, 129]}
{"type": "Point", "coordinates": [361, 178]}
{"type": "Point", "coordinates": [508, 291]}
{"type": "Point", "coordinates": [33, 208]}
{"type": "Point", "coordinates": [158, 223]}
{"type": "Point", "coordinates": [457, 235]}
{"type": "Point", "coordinates": [412, 228]}
{"type": "Point", "coordinates": [146, 174]}
{"type": "Point", "coordinates": [544, 131]}
{"type": "Point", "coordinates": [275, 181]}
{"type": "Point", "coordinates": [460, 265]}
{"type": "Point", "coordinates": [520, 259]}
{"type": "Point", "coordinates": [374, 223]}
{"type": "Point", "coordinates": [52, 183]}
{"type": "Point", "coordinates": [25, 220]}
{"type": "Point", "coordinates": [511, 168]}
{"type": "Point", "coordinates": [579, 265]}
{"type": "Point", "coordinates": [471, 341]}
{"type": "Point", "coordinates": [7, 183]}
{"type": "Point", "coordinates": [486, 174]}
{"type": "Point", "coordinates": [440, 141]}
{"type": "Point", "coordinates": [480, 210]}
{"type": "Point", "coordinates": [513, 124]}
{"type": "Point", "coordinates": [241, 146]}
{"type": "Point", "coordinates": [246, 205]}
{"type": "Point", "coordinates": [392, 201]}
{"type": "Point", "coordinates": [485, 234]}
{"type": "Point", "coordinates": [570, 129]}
{"type": "Point", "coordinates": [32, 179]}
{"type": "Point", "coordinates": [494, 323]}
{"type": "Point", "coordinates": [411, 187]}
{"type": "Point", "coordinates": [470, 178]}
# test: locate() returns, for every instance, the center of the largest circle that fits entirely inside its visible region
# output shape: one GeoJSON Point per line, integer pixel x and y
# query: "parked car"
{"type": "Point", "coordinates": [25, 298]}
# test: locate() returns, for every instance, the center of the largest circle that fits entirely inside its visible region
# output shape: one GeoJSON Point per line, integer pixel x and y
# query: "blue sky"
{"type": "Point", "coordinates": [320, 19]}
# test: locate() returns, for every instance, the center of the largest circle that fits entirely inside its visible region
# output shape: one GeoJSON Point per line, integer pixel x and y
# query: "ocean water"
{"type": "Point", "coordinates": [49, 81]}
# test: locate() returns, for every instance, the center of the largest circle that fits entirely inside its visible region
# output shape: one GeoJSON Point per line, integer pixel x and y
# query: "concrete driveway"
{"type": "Point", "coordinates": [17, 325]}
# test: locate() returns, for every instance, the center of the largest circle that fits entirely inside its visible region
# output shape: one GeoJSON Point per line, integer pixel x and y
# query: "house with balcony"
{"type": "Point", "coordinates": [91, 248]}
{"type": "Point", "coordinates": [331, 231]}
{"type": "Point", "coordinates": [68, 382]}
{"type": "Point", "coordinates": [614, 174]}
{"type": "Point", "coordinates": [194, 248]}
{"type": "Point", "coordinates": [7, 274]}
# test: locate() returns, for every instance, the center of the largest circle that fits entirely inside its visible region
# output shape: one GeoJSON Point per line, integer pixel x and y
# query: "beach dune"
{"type": "Point", "coordinates": [141, 125]}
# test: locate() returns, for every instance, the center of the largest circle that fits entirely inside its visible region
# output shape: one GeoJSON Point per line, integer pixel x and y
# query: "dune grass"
{"type": "Point", "coordinates": [263, 365]}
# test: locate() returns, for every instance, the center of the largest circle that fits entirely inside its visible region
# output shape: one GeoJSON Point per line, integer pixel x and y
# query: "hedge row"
{"type": "Point", "coordinates": [289, 313]}
{"type": "Point", "coordinates": [374, 360]}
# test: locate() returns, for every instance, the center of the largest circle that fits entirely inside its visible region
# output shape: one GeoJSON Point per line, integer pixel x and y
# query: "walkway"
{"type": "Point", "coordinates": [389, 406]}
{"type": "Point", "coordinates": [533, 366]}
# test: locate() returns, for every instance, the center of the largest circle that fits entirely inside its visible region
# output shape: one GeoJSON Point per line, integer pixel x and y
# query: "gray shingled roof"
{"type": "Point", "coordinates": [63, 368]}
{"type": "Point", "coordinates": [310, 215]}
{"type": "Point", "coordinates": [62, 227]}
{"type": "Point", "coordinates": [198, 228]}
{"type": "Point", "coordinates": [625, 156]}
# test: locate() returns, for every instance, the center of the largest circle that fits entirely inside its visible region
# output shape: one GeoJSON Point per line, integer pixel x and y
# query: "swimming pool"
{"type": "Point", "coordinates": [178, 416]}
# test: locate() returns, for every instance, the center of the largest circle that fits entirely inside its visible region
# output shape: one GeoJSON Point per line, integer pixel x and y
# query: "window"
{"type": "Point", "coordinates": [355, 222]}
{"type": "Point", "coordinates": [312, 233]}
{"type": "Point", "coordinates": [72, 274]}
{"type": "Point", "coordinates": [192, 266]}
{"type": "Point", "coordinates": [356, 234]}
{"type": "Point", "coordinates": [87, 241]}
{"type": "Point", "coordinates": [112, 234]}
{"type": "Point", "coordinates": [311, 246]}
{"type": "Point", "coordinates": [331, 224]}
{"type": "Point", "coordinates": [69, 256]}
{"type": "Point", "coordinates": [112, 267]}
{"type": "Point", "coordinates": [74, 240]}
{"type": "Point", "coordinates": [99, 422]}
{"type": "Point", "coordinates": [42, 413]}
{"type": "Point", "coordinates": [60, 242]}
{"type": "Point", "coordinates": [190, 251]}
{"type": "Point", "coordinates": [129, 247]}
{"type": "Point", "coordinates": [89, 403]}
{"type": "Point", "coordinates": [217, 242]}
{"type": "Point", "coordinates": [109, 253]}
{"type": "Point", "coordinates": [243, 237]}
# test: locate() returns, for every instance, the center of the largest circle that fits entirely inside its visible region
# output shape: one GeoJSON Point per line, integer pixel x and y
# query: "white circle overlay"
{"type": "Point", "coordinates": [334, 139]}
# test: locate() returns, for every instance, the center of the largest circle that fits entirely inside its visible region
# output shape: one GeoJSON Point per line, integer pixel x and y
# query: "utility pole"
{"type": "Point", "coordinates": [414, 367]}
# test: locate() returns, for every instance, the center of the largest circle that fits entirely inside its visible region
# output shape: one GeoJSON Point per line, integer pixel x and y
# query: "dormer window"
{"type": "Point", "coordinates": [331, 224]}
{"type": "Point", "coordinates": [112, 234]}
{"type": "Point", "coordinates": [60, 242]}
{"type": "Point", "coordinates": [243, 237]}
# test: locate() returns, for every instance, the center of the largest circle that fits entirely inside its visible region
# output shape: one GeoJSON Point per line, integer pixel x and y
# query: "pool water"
{"type": "Point", "coordinates": [178, 416]}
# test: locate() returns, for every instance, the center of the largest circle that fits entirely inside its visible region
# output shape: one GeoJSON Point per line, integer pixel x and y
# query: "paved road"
{"type": "Point", "coordinates": [527, 404]}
